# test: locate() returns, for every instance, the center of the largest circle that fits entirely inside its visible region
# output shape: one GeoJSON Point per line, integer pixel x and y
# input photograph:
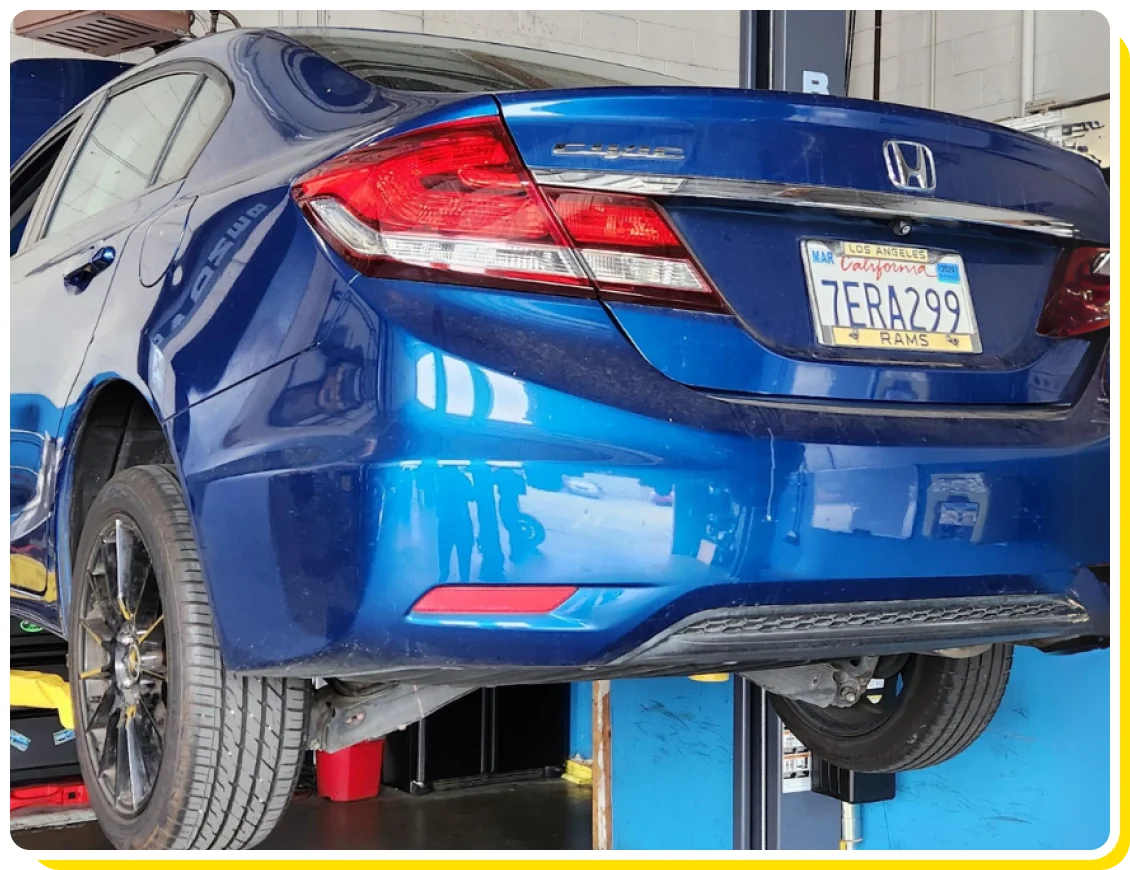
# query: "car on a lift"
{"type": "Point", "coordinates": [310, 326]}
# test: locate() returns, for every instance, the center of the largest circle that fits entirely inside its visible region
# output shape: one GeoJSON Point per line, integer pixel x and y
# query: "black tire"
{"type": "Point", "coordinates": [230, 748]}
{"type": "Point", "coordinates": [943, 706]}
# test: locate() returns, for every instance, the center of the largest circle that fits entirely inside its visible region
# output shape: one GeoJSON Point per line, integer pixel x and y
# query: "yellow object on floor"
{"type": "Point", "coordinates": [43, 691]}
{"type": "Point", "coordinates": [578, 772]}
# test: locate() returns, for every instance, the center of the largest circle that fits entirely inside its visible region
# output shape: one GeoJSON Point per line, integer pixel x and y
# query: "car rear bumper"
{"type": "Point", "coordinates": [744, 638]}
{"type": "Point", "coordinates": [748, 638]}
{"type": "Point", "coordinates": [330, 493]}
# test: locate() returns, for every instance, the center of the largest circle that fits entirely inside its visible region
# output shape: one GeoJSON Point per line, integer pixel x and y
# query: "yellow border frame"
{"type": "Point", "coordinates": [1112, 858]}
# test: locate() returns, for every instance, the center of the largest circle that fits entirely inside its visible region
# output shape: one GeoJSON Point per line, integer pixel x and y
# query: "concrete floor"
{"type": "Point", "coordinates": [530, 815]}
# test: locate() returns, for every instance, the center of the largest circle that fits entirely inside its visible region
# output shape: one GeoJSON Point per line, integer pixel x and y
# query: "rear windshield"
{"type": "Point", "coordinates": [435, 64]}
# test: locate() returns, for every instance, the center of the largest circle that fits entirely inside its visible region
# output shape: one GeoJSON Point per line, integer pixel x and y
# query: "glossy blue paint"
{"type": "Point", "coordinates": [175, 254]}
{"type": "Point", "coordinates": [346, 443]}
{"type": "Point", "coordinates": [807, 139]}
{"type": "Point", "coordinates": [753, 255]}
{"type": "Point", "coordinates": [1037, 779]}
{"type": "Point", "coordinates": [406, 448]}
{"type": "Point", "coordinates": [713, 351]}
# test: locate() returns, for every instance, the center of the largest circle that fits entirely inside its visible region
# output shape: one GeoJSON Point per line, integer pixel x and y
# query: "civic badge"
{"type": "Point", "coordinates": [910, 166]}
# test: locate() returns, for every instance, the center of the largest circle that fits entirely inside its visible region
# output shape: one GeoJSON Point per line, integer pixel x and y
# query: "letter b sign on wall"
{"type": "Point", "coordinates": [815, 82]}
{"type": "Point", "coordinates": [809, 51]}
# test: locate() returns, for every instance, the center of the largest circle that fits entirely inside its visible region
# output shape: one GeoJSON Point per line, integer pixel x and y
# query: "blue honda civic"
{"type": "Point", "coordinates": [352, 371]}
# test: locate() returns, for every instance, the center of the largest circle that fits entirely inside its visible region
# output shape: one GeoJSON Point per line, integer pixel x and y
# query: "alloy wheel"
{"type": "Point", "coordinates": [123, 666]}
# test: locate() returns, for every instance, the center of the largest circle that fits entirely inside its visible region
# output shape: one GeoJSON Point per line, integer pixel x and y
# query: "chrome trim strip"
{"type": "Point", "coordinates": [843, 200]}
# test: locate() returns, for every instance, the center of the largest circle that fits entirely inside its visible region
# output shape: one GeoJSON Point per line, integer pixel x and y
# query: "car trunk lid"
{"type": "Point", "coordinates": [770, 190]}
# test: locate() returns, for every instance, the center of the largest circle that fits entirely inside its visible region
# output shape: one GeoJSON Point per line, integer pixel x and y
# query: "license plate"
{"type": "Point", "coordinates": [889, 297]}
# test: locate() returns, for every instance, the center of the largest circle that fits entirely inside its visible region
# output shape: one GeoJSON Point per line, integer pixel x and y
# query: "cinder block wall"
{"type": "Point", "coordinates": [700, 47]}
{"type": "Point", "coordinates": [973, 69]}
{"type": "Point", "coordinates": [977, 59]}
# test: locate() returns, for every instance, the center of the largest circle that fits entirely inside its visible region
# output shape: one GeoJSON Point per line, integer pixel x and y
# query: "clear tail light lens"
{"type": "Point", "coordinates": [454, 203]}
{"type": "Point", "coordinates": [1079, 299]}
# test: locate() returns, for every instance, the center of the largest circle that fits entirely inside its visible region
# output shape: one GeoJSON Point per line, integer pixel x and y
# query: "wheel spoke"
{"type": "Point", "coordinates": [100, 718]}
{"type": "Point", "coordinates": [141, 638]}
{"type": "Point", "coordinates": [153, 745]}
{"type": "Point", "coordinates": [157, 671]}
{"type": "Point", "coordinates": [132, 572]}
{"type": "Point", "coordinates": [122, 765]}
{"type": "Point", "coordinates": [108, 757]}
{"type": "Point", "coordinates": [101, 586]}
{"type": "Point", "coordinates": [138, 774]}
{"type": "Point", "coordinates": [97, 628]}
{"type": "Point", "coordinates": [124, 555]}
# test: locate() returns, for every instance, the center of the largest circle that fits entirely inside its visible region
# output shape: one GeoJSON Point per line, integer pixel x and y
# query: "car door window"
{"type": "Point", "coordinates": [121, 152]}
{"type": "Point", "coordinates": [27, 184]}
{"type": "Point", "coordinates": [195, 129]}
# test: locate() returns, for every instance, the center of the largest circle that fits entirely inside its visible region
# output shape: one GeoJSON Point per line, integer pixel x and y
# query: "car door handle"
{"type": "Point", "coordinates": [80, 278]}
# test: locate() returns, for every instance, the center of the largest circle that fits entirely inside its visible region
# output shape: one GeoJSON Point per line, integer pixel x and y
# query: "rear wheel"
{"type": "Point", "coordinates": [928, 710]}
{"type": "Point", "coordinates": [177, 753]}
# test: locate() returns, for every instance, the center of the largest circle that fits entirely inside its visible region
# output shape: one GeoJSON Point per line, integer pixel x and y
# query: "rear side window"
{"type": "Point", "coordinates": [28, 181]}
{"type": "Point", "coordinates": [195, 129]}
{"type": "Point", "coordinates": [434, 64]}
{"type": "Point", "coordinates": [122, 149]}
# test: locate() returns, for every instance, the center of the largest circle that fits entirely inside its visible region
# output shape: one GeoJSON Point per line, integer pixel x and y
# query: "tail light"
{"type": "Point", "coordinates": [1079, 299]}
{"type": "Point", "coordinates": [454, 203]}
{"type": "Point", "coordinates": [630, 249]}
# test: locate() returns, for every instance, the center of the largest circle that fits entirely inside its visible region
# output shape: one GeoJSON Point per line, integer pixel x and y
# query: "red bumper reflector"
{"type": "Point", "coordinates": [493, 599]}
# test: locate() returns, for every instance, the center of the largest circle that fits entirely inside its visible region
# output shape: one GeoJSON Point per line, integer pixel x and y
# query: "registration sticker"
{"type": "Point", "coordinates": [889, 297]}
{"type": "Point", "coordinates": [948, 273]}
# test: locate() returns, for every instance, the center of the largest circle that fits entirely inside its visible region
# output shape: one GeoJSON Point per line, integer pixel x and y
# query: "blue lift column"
{"type": "Point", "coordinates": [672, 764]}
{"type": "Point", "coordinates": [1038, 778]}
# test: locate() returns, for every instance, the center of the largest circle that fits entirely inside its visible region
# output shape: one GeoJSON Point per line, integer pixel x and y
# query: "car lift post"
{"type": "Point", "coordinates": [601, 765]}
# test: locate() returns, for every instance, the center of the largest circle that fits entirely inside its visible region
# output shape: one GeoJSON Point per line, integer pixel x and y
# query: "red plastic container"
{"type": "Point", "coordinates": [67, 794]}
{"type": "Point", "coordinates": [353, 774]}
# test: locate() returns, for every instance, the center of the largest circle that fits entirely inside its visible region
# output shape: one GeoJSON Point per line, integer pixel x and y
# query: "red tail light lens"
{"type": "Point", "coordinates": [631, 250]}
{"type": "Point", "coordinates": [455, 198]}
{"type": "Point", "coordinates": [628, 223]}
{"type": "Point", "coordinates": [1079, 299]}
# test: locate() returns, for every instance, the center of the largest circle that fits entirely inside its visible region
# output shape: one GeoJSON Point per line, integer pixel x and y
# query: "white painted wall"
{"type": "Point", "coordinates": [977, 59]}
{"type": "Point", "coordinates": [701, 47]}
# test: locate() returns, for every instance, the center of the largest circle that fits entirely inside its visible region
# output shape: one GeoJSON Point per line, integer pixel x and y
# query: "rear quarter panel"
{"type": "Point", "coordinates": [228, 280]}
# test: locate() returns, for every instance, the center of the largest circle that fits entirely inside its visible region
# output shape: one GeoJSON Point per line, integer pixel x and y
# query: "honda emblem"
{"type": "Point", "coordinates": [910, 166]}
